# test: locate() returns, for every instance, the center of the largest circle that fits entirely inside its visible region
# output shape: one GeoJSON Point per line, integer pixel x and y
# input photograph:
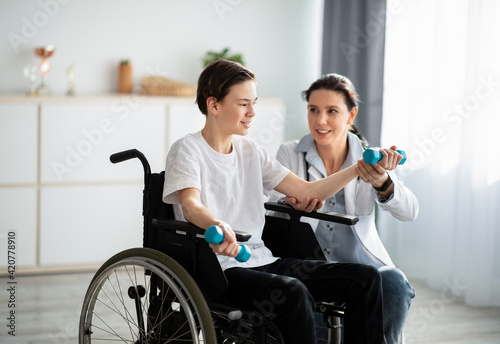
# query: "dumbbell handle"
{"type": "Point", "coordinates": [372, 156]}
{"type": "Point", "coordinates": [215, 236]}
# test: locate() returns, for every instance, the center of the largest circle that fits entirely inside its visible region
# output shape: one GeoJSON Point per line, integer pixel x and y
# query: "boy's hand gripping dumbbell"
{"type": "Point", "coordinates": [215, 236]}
{"type": "Point", "coordinates": [372, 156]}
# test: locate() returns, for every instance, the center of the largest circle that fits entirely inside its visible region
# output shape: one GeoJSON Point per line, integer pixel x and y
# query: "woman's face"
{"type": "Point", "coordinates": [328, 116]}
{"type": "Point", "coordinates": [236, 110]}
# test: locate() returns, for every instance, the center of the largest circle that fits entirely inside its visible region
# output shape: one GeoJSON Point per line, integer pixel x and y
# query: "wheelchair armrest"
{"type": "Point", "coordinates": [320, 215]}
{"type": "Point", "coordinates": [175, 225]}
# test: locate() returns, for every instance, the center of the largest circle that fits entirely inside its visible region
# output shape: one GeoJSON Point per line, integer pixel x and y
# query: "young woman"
{"type": "Point", "coordinates": [332, 145]}
{"type": "Point", "coordinates": [217, 177]}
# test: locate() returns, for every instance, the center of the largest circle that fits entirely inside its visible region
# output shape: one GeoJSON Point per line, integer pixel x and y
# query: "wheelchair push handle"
{"type": "Point", "coordinates": [215, 236]}
{"type": "Point", "coordinates": [131, 154]}
{"type": "Point", "coordinates": [372, 156]}
{"type": "Point", "coordinates": [125, 155]}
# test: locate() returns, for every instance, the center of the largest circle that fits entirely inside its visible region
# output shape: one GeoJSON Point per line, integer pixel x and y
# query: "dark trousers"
{"type": "Point", "coordinates": [286, 290]}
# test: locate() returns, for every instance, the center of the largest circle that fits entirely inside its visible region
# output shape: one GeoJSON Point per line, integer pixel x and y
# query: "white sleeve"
{"type": "Point", "coordinates": [182, 171]}
{"type": "Point", "coordinates": [403, 204]}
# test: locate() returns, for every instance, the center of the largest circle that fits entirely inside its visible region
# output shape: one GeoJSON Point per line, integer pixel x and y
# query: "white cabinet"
{"type": "Point", "coordinates": [18, 143]}
{"type": "Point", "coordinates": [77, 140]}
{"type": "Point", "coordinates": [18, 214]}
{"type": "Point", "coordinates": [88, 224]}
{"type": "Point", "coordinates": [183, 118]}
{"type": "Point", "coordinates": [91, 208]}
{"type": "Point", "coordinates": [68, 204]}
{"type": "Point", "coordinates": [18, 180]}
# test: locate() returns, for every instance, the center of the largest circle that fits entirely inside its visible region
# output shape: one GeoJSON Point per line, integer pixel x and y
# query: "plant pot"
{"type": "Point", "coordinates": [125, 83]}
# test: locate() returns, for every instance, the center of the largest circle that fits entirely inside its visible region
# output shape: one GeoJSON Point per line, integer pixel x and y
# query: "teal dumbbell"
{"type": "Point", "coordinates": [215, 236]}
{"type": "Point", "coordinates": [372, 156]}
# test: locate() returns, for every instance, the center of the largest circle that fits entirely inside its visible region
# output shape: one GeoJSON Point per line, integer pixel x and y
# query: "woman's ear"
{"type": "Point", "coordinates": [212, 105]}
{"type": "Point", "coordinates": [352, 115]}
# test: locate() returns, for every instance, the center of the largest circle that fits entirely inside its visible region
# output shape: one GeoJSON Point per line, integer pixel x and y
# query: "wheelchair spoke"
{"type": "Point", "coordinates": [171, 312]}
{"type": "Point", "coordinates": [116, 302]}
{"type": "Point", "coordinates": [110, 331]}
{"type": "Point", "coordinates": [127, 317]}
{"type": "Point", "coordinates": [132, 300]}
{"type": "Point", "coordinates": [140, 312]}
{"type": "Point", "coordinates": [115, 310]}
{"type": "Point", "coordinates": [158, 321]}
{"type": "Point", "coordinates": [121, 299]}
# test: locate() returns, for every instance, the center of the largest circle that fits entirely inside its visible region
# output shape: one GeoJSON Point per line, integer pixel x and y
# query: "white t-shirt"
{"type": "Point", "coordinates": [231, 186]}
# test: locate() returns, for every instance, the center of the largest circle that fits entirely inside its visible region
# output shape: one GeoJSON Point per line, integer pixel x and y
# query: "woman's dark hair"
{"type": "Point", "coordinates": [216, 80]}
{"type": "Point", "coordinates": [340, 84]}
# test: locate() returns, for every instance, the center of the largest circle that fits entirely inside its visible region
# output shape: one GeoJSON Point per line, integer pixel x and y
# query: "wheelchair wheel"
{"type": "Point", "coordinates": [144, 296]}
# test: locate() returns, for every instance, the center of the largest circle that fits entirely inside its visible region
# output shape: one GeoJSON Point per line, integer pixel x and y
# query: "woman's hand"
{"type": "Point", "coordinates": [390, 158]}
{"type": "Point", "coordinates": [376, 174]}
{"type": "Point", "coordinates": [306, 205]}
{"type": "Point", "coordinates": [372, 174]}
{"type": "Point", "coordinates": [229, 247]}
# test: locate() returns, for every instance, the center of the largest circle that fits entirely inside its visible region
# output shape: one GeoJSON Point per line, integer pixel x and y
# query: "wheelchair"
{"type": "Point", "coordinates": [166, 291]}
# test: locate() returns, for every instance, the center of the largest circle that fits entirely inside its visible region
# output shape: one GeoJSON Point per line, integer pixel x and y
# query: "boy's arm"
{"type": "Point", "coordinates": [296, 187]}
{"type": "Point", "coordinates": [196, 213]}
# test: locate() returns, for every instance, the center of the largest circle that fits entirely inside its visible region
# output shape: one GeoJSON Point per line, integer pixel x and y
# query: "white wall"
{"type": "Point", "coordinates": [280, 41]}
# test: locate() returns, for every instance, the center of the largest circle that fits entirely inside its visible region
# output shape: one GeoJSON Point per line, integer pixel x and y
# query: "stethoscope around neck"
{"type": "Point", "coordinates": [363, 206]}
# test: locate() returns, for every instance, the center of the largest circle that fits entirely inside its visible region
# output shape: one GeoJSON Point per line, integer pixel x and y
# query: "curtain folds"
{"type": "Point", "coordinates": [353, 45]}
{"type": "Point", "coordinates": [441, 105]}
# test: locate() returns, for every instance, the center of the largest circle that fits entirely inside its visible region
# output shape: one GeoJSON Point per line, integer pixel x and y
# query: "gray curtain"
{"type": "Point", "coordinates": [353, 45]}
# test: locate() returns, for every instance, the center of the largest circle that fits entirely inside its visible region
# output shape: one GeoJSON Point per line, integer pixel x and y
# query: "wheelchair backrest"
{"type": "Point", "coordinates": [154, 207]}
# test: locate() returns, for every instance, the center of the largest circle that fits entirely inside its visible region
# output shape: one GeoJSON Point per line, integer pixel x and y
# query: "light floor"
{"type": "Point", "coordinates": [48, 309]}
{"type": "Point", "coordinates": [440, 317]}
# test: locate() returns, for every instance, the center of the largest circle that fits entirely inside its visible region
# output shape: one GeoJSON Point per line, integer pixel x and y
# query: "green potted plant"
{"type": "Point", "coordinates": [212, 56]}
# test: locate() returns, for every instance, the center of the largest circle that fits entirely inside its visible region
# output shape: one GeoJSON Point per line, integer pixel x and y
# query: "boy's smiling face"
{"type": "Point", "coordinates": [236, 111]}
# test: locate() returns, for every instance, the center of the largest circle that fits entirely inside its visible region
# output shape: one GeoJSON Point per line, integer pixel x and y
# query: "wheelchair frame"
{"type": "Point", "coordinates": [164, 291]}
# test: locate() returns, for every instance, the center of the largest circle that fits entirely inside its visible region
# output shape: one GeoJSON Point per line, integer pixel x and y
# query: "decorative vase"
{"type": "Point", "coordinates": [125, 83]}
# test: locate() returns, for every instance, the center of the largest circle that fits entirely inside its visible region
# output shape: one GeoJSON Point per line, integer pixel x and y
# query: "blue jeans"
{"type": "Point", "coordinates": [286, 291]}
{"type": "Point", "coordinates": [397, 294]}
{"type": "Point", "coordinates": [397, 300]}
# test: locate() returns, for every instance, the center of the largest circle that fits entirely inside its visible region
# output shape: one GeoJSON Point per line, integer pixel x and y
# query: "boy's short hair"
{"type": "Point", "coordinates": [216, 80]}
